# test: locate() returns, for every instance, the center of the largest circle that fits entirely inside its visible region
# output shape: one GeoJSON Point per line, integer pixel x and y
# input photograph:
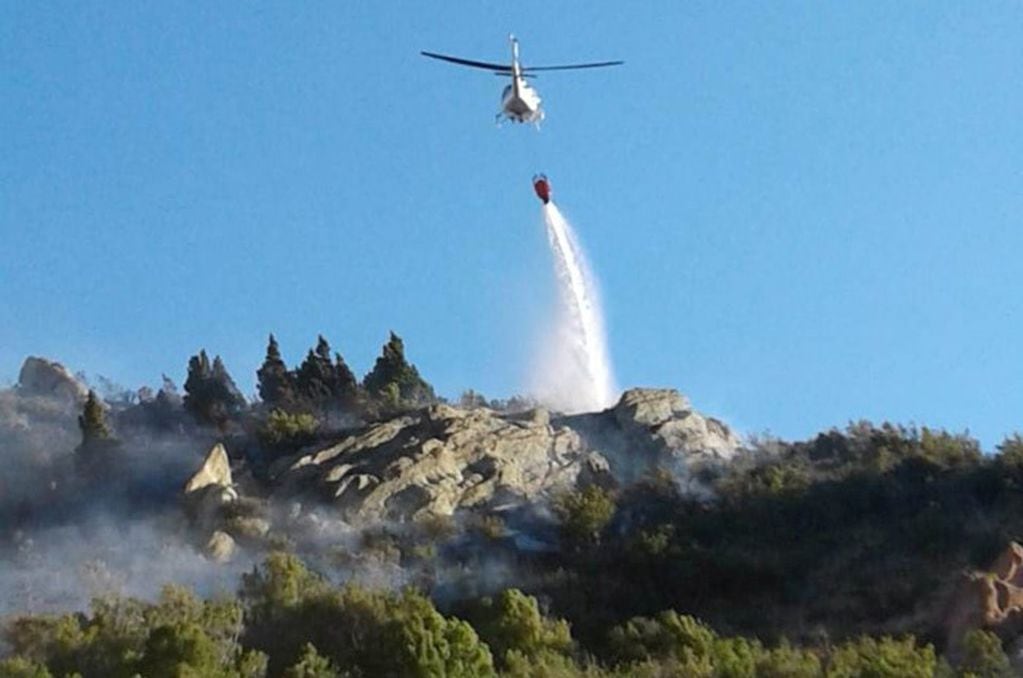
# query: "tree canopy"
{"type": "Point", "coordinates": [395, 381]}
{"type": "Point", "coordinates": [211, 395]}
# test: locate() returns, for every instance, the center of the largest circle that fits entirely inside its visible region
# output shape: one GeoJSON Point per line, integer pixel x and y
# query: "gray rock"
{"type": "Point", "coordinates": [248, 528]}
{"type": "Point", "coordinates": [42, 377]}
{"type": "Point", "coordinates": [205, 507]}
{"type": "Point", "coordinates": [443, 459]}
{"type": "Point", "coordinates": [649, 407]}
{"type": "Point", "coordinates": [209, 490]}
{"type": "Point", "coordinates": [439, 460]}
{"type": "Point", "coordinates": [220, 547]}
{"type": "Point", "coordinates": [215, 470]}
{"type": "Point", "coordinates": [665, 420]}
{"type": "Point", "coordinates": [656, 428]}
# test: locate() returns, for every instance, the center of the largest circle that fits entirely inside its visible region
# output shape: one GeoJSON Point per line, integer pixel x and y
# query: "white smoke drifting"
{"type": "Point", "coordinates": [573, 371]}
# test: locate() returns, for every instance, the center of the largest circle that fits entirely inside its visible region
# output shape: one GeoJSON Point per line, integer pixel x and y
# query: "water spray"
{"type": "Point", "coordinates": [574, 372]}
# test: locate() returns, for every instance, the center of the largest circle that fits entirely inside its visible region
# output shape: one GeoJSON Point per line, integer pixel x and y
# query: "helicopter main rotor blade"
{"type": "Point", "coordinates": [502, 68]}
{"type": "Point", "coordinates": [571, 67]}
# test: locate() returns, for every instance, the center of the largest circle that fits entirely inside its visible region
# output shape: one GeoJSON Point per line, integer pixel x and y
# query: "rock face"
{"type": "Point", "coordinates": [438, 460]}
{"type": "Point", "coordinates": [668, 419]}
{"type": "Point", "coordinates": [215, 470]}
{"type": "Point", "coordinates": [442, 459]}
{"type": "Point", "coordinates": [657, 428]}
{"type": "Point", "coordinates": [42, 377]}
{"type": "Point", "coordinates": [988, 600]}
{"type": "Point", "coordinates": [206, 494]}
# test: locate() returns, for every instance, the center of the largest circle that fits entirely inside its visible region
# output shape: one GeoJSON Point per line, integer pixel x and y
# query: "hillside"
{"type": "Point", "coordinates": [571, 544]}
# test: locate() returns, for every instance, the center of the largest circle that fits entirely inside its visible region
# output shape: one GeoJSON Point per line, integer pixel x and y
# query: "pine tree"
{"type": "Point", "coordinates": [314, 375]}
{"type": "Point", "coordinates": [93, 421]}
{"type": "Point", "coordinates": [276, 384]}
{"type": "Point", "coordinates": [393, 376]}
{"type": "Point", "coordinates": [324, 384]}
{"type": "Point", "coordinates": [210, 393]}
{"type": "Point", "coordinates": [99, 450]}
{"type": "Point", "coordinates": [346, 385]}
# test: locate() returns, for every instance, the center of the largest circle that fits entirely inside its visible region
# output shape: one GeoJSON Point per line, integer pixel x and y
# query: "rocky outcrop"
{"type": "Point", "coordinates": [665, 419]}
{"type": "Point", "coordinates": [657, 428]}
{"type": "Point", "coordinates": [207, 494]}
{"type": "Point", "coordinates": [215, 470]}
{"type": "Point", "coordinates": [990, 600]}
{"type": "Point", "coordinates": [42, 377]}
{"type": "Point", "coordinates": [442, 459]}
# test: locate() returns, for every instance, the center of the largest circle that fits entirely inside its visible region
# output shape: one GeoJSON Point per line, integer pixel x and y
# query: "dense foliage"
{"type": "Point", "coordinates": [288, 621]}
{"type": "Point", "coordinates": [855, 531]}
{"type": "Point", "coordinates": [211, 395]}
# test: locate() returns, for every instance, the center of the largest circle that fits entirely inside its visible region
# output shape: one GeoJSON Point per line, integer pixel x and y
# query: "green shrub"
{"type": "Point", "coordinates": [512, 622]}
{"type": "Point", "coordinates": [312, 665]}
{"type": "Point", "coordinates": [286, 431]}
{"type": "Point", "coordinates": [584, 514]}
{"type": "Point", "coordinates": [884, 658]}
{"type": "Point", "coordinates": [983, 656]}
{"type": "Point", "coordinates": [19, 667]}
{"type": "Point", "coordinates": [372, 632]}
{"type": "Point", "coordinates": [123, 637]}
{"type": "Point", "coordinates": [786, 661]}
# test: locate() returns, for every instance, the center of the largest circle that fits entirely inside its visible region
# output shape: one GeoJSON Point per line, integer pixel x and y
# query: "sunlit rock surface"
{"type": "Point", "coordinates": [442, 459]}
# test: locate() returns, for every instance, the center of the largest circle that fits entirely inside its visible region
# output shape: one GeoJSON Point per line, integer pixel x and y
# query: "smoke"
{"type": "Point", "coordinates": [573, 371]}
{"type": "Point", "coordinates": [61, 568]}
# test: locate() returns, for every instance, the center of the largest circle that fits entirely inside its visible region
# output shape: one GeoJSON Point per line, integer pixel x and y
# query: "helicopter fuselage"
{"type": "Point", "coordinates": [520, 102]}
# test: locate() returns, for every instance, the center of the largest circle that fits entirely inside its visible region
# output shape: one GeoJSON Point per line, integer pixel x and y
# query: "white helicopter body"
{"type": "Point", "coordinates": [519, 101]}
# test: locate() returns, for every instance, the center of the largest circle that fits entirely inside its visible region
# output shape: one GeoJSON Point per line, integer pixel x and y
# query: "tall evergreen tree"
{"type": "Point", "coordinates": [276, 384]}
{"type": "Point", "coordinates": [211, 395]}
{"type": "Point", "coordinates": [393, 377]}
{"type": "Point", "coordinates": [346, 385]}
{"type": "Point", "coordinates": [98, 449]}
{"type": "Point", "coordinates": [93, 421]}
{"type": "Point", "coordinates": [313, 375]}
{"type": "Point", "coordinates": [325, 384]}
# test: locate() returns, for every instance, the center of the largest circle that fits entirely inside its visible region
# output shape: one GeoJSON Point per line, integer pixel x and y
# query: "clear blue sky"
{"type": "Point", "coordinates": [801, 213]}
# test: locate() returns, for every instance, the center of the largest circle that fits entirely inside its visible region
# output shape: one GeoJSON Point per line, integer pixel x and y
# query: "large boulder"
{"type": "Point", "coordinates": [219, 547]}
{"type": "Point", "coordinates": [42, 377]}
{"type": "Point", "coordinates": [991, 600]}
{"type": "Point", "coordinates": [209, 490]}
{"type": "Point", "coordinates": [439, 460]}
{"type": "Point", "coordinates": [215, 470]}
{"type": "Point", "coordinates": [657, 428]}
{"type": "Point", "coordinates": [649, 406]}
{"type": "Point", "coordinates": [668, 419]}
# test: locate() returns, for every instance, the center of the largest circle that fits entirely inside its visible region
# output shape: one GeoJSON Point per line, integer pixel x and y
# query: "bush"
{"type": "Point", "coordinates": [312, 665]}
{"type": "Point", "coordinates": [372, 632]}
{"type": "Point", "coordinates": [668, 635]}
{"type": "Point", "coordinates": [19, 667]}
{"type": "Point", "coordinates": [884, 658]}
{"type": "Point", "coordinates": [512, 622]}
{"type": "Point", "coordinates": [584, 514]}
{"type": "Point", "coordinates": [285, 431]}
{"type": "Point", "coordinates": [786, 661]}
{"type": "Point", "coordinates": [983, 657]}
{"type": "Point", "coordinates": [123, 637]}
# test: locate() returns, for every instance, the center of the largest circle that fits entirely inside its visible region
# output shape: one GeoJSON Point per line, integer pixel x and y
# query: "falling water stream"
{"type": "Point", "coordinates": [575, 373]}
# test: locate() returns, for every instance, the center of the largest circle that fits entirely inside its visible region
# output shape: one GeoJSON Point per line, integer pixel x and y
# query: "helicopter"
{"type": "Point", "coordinates": [519, 101]}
